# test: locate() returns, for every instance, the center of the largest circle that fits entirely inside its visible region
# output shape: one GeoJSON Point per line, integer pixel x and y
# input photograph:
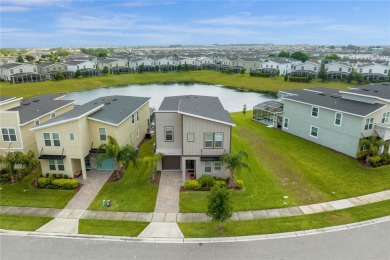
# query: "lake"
{"type": "Point", "coordinates": [231, 99]}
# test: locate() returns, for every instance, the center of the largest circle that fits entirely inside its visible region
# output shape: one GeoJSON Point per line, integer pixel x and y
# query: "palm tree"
{"type": "Point", "coordinates": [235, 162]}
{"type": "Point", "coordinates": [10, 160]}
{"type": "Point", "coordinates": [151, 161]}
{"type": "Point", "coordinates": [370, 147]}
{"type": "Point", "coordinates": [122, 155]}
{"type": "Point", "coordinates": [31, 165]}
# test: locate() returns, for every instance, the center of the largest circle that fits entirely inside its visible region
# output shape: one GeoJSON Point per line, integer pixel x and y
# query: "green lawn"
{"type": "Point", "coordinates": [24, 195]}
{"type": "Point", "coordinates": [146, 148]}
{"type": "Point", "coordinates": [22, 223]}
{"type": "Point", "coordinates": [133, 192]}
{"type": "Point", "coordinates": [111, 227]}
{"type": "Point", "coordinates": [206, 76]}
{"type": "Point", "coordinates": [284, 165]}
{"type": "Point", "coordinates": [287, 224]}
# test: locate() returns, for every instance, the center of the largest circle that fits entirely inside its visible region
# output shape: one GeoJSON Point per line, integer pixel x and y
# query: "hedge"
{"type": "Point", "coordinates": [191, 185]}
{"type": "Point", "coordinates": [299, 79]}
{"type": "Point", "coordinates": [65, 184]}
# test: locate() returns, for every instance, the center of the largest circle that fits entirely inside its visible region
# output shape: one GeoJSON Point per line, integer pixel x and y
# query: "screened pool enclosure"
{"type": "Point", "coordinates": [268, 113]}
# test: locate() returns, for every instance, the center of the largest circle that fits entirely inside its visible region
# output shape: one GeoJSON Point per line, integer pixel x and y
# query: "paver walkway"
{"type": "Point", "coordinates": [67, 220]}
{"type": "Point", "coordinates": [198, 217]}
{"type": "Point", "coordinates": [168, 192]}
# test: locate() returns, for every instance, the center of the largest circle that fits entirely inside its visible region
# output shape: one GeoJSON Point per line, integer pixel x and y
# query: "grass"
{"type": "Point", "coordinates": [22, 194]}
{"type": "Point", "coordinates": [133, 192]}
{"type": "Point", "coordinates": [287, 224]}
{"type": "Point", "coordinates": [111, 227]}
{"type": "Point", "coordinates": [147, 148]}
{"type": "Point", "coordinates": [22, 223]}
{"type": "Point", "coordinates": [206, 76]}
{"type": "Point", "coordinates": [285, 165]}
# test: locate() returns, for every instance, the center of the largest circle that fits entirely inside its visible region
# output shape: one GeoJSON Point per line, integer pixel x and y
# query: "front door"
{"type": "Point", "coordinates": [190, 169]}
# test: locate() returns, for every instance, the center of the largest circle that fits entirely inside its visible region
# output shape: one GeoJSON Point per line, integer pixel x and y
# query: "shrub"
{"type": "Point", "coordinates": [239, 184]}
{"type": "Point", "coordinates": [385, 158]}
{"type": "Point", "coordinates": [206, 181]}
{"type": "Point", "coordinates": [66, 184]}
{"type": "Point", "coordinates": [219, 183]}
{"type": "Point", "coordinates": [47, 175]}
{"type": "Point", "coordinates": [4, 178]}
{"type": "Point", "coordinates": [66, 176]}
{"type": "Point", "coordinates": [191, 185]}
{"type": "Point", "coordinates": [60, 176]}
{"type": "Point", "coordinates": [43, 182]}
{"type": "Point", "coordinates": [54, 176]}
{"type": "Point", "coordinates": [299, 79]}
{"type": "Point", "coordinates": [375, 161]}
{"type": "Point", "coordinates": [51, 186]}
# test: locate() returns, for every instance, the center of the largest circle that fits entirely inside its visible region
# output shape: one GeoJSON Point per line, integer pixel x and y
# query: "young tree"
{"type": "Point", "coordinates": [285, 54]}
{"type": "Point", "coordinates": [141, 68]}
{"type": "Point", "coordinates": [370, 147]}
{"type": "Point", "coordinates": [285, 77]}
{"type": "Point", "coordinates": [59, 75]}
{"type": "Point", "coordinates": [121, 155]}
{"type": "Point", "coordinates": [219, 206]}
{"type": "Point", "coordinates": [333, 56]}
{"type": "Point", "coordinates": [105, 70]}
{"type": "Point", "coordinates": [322, 72]}
{"type": "Point", "coordinates": [151, 161]}
{"type": "Point", "coordinates": [31, 165]}
{"type": "Point", "coordinates": [77, 74]}
{"type": "Point", "coordinates": [10, 160]}
{"type": "Point", "coordinates": [86, 74]}
{"type": "Point", "coordinates": [235, 162]}
{"type": "Point", "coordinates": [298, 55]}
{"type": "Point", "coordinates": [179, 67]}
{"type": "Point", "coordinates": [242, 70]}
{"type": "Point", "coordinates": [359, 77]}
{"type": "Point", "coordinates": [244, 110]}
{"type": "Point", "coordinates": [29, 58]}
{"type": "Point", "coordinates": [19, 59]}
{"type": "Point", "coordinates": [310, 77]}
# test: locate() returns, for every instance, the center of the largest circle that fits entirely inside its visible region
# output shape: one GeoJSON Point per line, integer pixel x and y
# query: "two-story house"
{"type": "Point", "coordinates": [193, 132]}
{"type": "Point", "coordinates": [306, 68]}
{"type": "Point", "coordinates": [18, 116]}
{"type": "Point", "coordinates": [284, 65]}
{"type": "Point", "coordinates": [69, 143]}
{"type": "Point", "coordinates": [20, 73]}
{"type": "Point", "coordinates": [49, 69]}
{"type": "Point", "coordinates": [338, 119]}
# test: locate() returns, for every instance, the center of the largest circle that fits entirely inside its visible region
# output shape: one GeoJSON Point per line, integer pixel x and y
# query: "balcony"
{"type": "Point", "coordinates": [383, 131]}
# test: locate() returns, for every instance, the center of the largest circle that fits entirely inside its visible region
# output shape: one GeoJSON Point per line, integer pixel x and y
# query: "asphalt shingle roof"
{"type": "Point", "coordinates": [334, 102]}
{"type": "Point", "coordinates": [10, 65]}
{"type": "Point", "coordinates": [201, 106]}
{"type": "Point", "coordinates": [380, 90]}
{"type": "Point", "coordinates": [38, 106]}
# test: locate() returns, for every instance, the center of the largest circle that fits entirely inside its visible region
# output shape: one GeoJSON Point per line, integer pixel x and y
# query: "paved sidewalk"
{"type": "Point", "coordinates": [168, 192]}
{"type": "Point", "coordinates": [198, 217]}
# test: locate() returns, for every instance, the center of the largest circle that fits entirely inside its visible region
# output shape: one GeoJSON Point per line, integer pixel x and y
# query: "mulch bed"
{"type": "Point", "coordinates": [114, 177]}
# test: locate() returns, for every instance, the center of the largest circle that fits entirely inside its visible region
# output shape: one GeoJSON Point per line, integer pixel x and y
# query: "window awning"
{"type": "Point", "coordinates": [52, 157]}
{"type": "Point", "coordinates": [209, 158]}
{"type": "Point", "coordinates": [96, 150]}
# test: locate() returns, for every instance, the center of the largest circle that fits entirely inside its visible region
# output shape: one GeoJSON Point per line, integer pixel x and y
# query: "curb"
{"type": "Point", "coordinates": [202, 240]}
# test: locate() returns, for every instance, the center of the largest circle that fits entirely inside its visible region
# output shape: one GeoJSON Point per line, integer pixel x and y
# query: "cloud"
{"type": "Point", "coordinates": [118, 22]}
{"type": "Point", "coordinates": [13, 9]}
{"type": "Point", "coordinates": [32, 3]}
{"type": "Point", "coordinates": [353, 29]}
{"type": "Point", "coordinates": [143, 3]}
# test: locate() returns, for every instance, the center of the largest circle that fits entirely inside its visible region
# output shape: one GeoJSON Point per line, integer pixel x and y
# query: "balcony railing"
{"type": "Point", "coordinates": [383, 131]}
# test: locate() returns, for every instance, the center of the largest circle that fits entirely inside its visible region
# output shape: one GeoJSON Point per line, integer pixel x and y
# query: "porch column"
{"type": "Point", "coordinates": [83, 169]}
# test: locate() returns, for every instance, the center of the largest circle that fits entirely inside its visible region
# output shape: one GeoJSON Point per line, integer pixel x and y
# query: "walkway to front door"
{"type": "Point", "coordinates": [168, 192]}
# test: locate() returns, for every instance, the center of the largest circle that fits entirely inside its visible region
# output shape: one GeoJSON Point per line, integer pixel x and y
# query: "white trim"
{"type": "Point", "coordinates": [361, 95]}
{"type": "Point", "coordinates": [10, 100]}
{"type": "Point", "coordinates": [206, 118]}
{"type": "Point", "coordinates": [283, 123]}
{"type": "Point", "coordinates": [100, 121]}
{"type": "Point", "coordinates": [335, 118]}
{"type": "Point", "coordinates": [105, 133]}
{"type": "Point", "coordinates": [67, 120]}
{"type": "Point", "coordinates": [2, 137]}
{"type": "Point", "coordinates": [318, 130]}
{"type": "Point", "coordinates": [348, 113]}
{"type": "Point", "coordinates": [318, 111]}
{"type": "Point", "coordinates": [48, 113]}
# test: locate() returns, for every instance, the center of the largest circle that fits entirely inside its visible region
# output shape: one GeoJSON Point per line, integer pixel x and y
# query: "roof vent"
{"type": "Point", "coordinates": [364, 89]}
{"type": "Point", "coordinates": [96, 103]}
{"type": "Point", "coordinates": [334, 96]}
{"type": "Point", "coordinates": [322, 94]}
{"type": "Point", "coordinates": [26, 104]}
{"type": "Point", "coordinates": [36, 100]}
{"type": "Point", "coordinates": [115, 99]}
{"type": "Point", "coordinates": [107, 103]}
{"type": "Point", "coordinates": [385, 84]}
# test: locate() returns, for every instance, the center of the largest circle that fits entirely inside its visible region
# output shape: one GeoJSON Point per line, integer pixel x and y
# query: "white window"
{"type": "Point", "coordinates": [217, 166]}
{"type": "Point", "coordinates": [9, 134]}
{"type": "Point", "coordinates": [53, 115]}
{"type": "Point", "coordinates": [314, 131]}
{"type": "Point", "coordinates": [60, 164]}
{"type": "Point", "coordinates": [132, 119]}
{"type": "Point", "coordinates": [52, 165]}
{"type": "Point", "coordinates": [285, 122]}
{"type": "Point", "coordinates": [169, 134]}
{"type": "Point", "coordinates": [315, 111]}
{"type": "Point", "coordinates": [71, 136]}
{"type": "Point", "coordinates": [137, 116]}
{"type": "Point", "coordinates": [385, 117]}
{"type": "Point", "coordinates": [208, 140]}
{"type": "Point", "coordinates": [207, 167]}
{"type": "Point", "coordinates": [102, 134]}
{"type": "Point", "coordinates": [46, 137]}
{"type": "Point", "coordinates": [56, 139]}
{"type": "Point", "coordinates": [190, 137]}
{"type": "Point", "coordinates": [36, 122]}
{"type": "Point", "coordinates": [218, 140]}
{"type": "Point", "coordinates": [11, 70]}
{"type": "Point", "coordinates": [137, 133]}
{"type": "Point", "coordinates": [337, 118]}
{"type": "Point", "coordinates": [368, 124]}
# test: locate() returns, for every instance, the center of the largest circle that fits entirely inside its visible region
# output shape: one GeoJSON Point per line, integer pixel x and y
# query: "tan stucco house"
{"type": "Point", "coordinates": [193, 132]}
{"type": "Point", "coordinates": [68, 143]}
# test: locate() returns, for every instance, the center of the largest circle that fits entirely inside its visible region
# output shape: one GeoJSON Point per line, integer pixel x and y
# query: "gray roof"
{"type": "Point", "coordinates": [45, 64]}
{"type": "Point", "coordinates": [10, 65]}
{"type": "Point", "coordinates": [75, 62]}
{"type": "Point", "coordinates": [114, 109]}
{"type": "Point", "coordinates": [3, 99]}
{"type": "Point", "coordinates": [38, 106]}
{"type": "Point", "coordinates": [201, 106]}
{"type": "Point", "coordinates": [332, 100]}
{"type": "Point", "coordinates": [380, 90]}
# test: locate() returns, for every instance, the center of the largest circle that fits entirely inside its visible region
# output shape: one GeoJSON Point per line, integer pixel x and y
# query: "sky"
{"type": "Point", "coordinates": [88, 23]}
